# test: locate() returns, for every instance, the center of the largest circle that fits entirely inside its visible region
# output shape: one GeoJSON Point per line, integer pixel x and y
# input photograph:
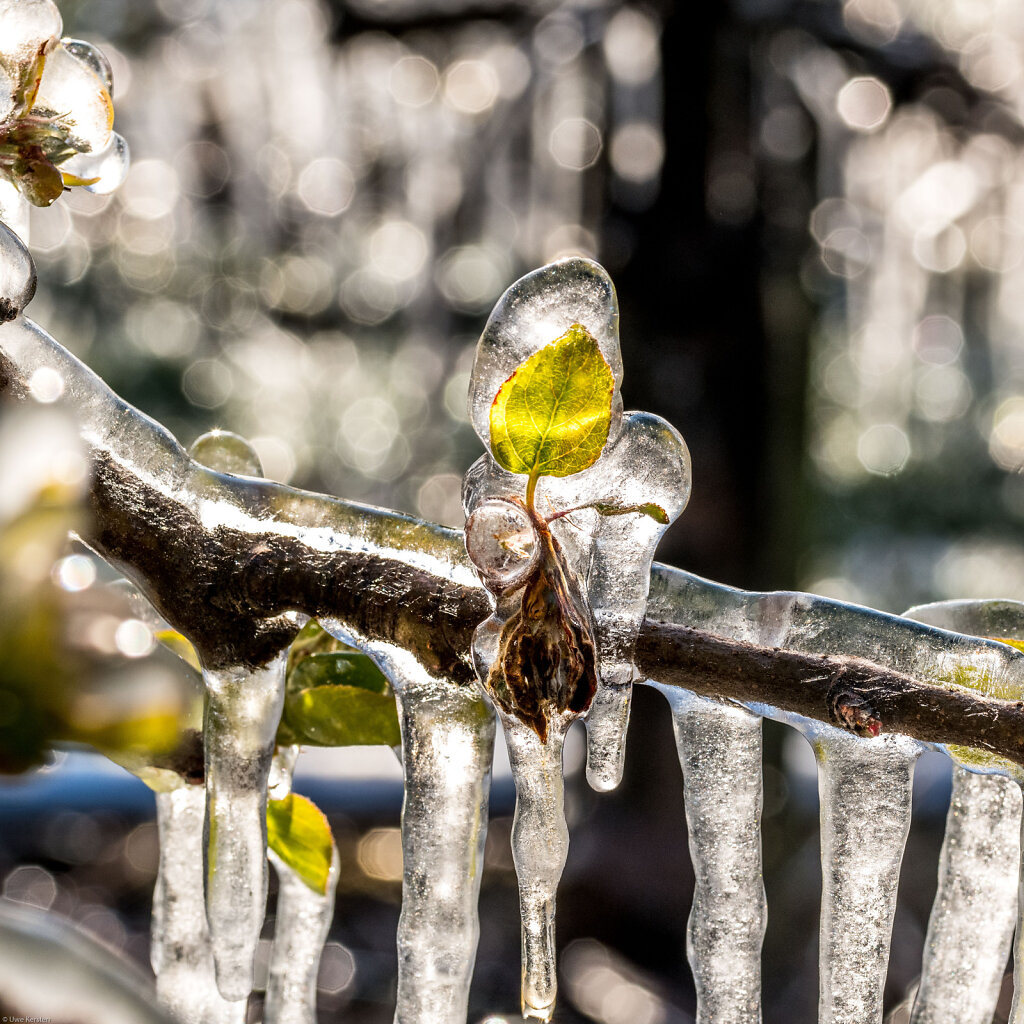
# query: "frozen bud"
{"type": "Point", "coordinates": [502, 543]}
{"type": "Point", "coordinates": [17, 275]}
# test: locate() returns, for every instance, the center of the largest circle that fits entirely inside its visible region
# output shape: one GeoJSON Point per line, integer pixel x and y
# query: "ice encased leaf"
{"type": "Point", "coordinates": [551, 417]}
{"type": "Point", "coordinates": [533, 312]}
{"type": "Point", "coordinates": [567, 578]}
{"type": "Point", "coordinates": [298, 833]}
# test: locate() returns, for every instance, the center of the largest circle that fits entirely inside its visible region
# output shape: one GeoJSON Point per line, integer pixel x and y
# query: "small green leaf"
{"type": "Point", "coordinates": [299, 834]}
{"type": "Point", "coordinates": [342, 716]}
{"type": "Point", "coordinates": [551, 417]}
{"type": "Point", "coordinates": [337, 667]}
{"type": "Point", "coordinates": [649, 508]}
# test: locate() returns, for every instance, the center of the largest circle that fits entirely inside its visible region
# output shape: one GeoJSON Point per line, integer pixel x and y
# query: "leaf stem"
{"type": "Point", "coordinates": [531, 489]}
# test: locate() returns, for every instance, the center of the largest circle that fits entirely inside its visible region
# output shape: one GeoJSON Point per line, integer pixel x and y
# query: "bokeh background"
{"type": "Point", "coordinates": [814, 214]}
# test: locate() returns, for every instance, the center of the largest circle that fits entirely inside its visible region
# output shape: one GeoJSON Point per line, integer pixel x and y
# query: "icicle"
{"type": "Point", "coordinates": [972, 919]}
{"type": "Point", "coordinates": [1017, 1008]}
{"type": "Point", "coordinates": [540, 843]}
{"type": "Point", "coordinates": [865, 788]}
{"type": "Point", "coordinates": [242, 713]}
{"type": "Point", "coordinates": [243, 709]}
{"type": "Point", "coordinates": [181, 954]}
{"type": "Point", "coordinates": [447, 750]}
{"type": "Point", "coordinates": [301, 926]}
{"type": "Point", "coordinates": [720, 753]}
{"type": "Point", "coordinates": [300, 931]}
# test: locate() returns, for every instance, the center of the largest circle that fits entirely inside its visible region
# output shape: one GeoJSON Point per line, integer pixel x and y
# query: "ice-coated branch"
{"type": "Point", "coordinates": [225, 558]}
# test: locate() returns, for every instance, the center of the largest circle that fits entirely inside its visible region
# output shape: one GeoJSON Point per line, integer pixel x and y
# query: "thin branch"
{"type": "Point", "coordinates": [225, 558]}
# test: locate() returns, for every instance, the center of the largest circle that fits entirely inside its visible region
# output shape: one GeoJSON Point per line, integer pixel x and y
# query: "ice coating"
{"type": "Point", "coordinates": [93, 58]}
{"type": "Point", "coordinates": [243, 708]}
{"type": "Point", "coordinates": [447, 750]}
{"type": "Point", "coordinates": [26, 26]}
{"type": "Point", "coordinates": [864, 788]}
{"type": "Point", "coordinates": [645, 460]}
{"type": "Point", "coordinates": [972, 920]}
{"type": "Point", "coordinates": [720, 753]}
{"type": "Point", "coordinates": [17, 275]}
{"type": "Point", "coordinates": [226, 453]}
{"type": "Point", "coordinates": [14, 215]}
{"type": "Point", "coordinates": [72, 90]}
{"type": "Point", "coordinates": [301, 925]}
{"type": "Point", "coordinates": [181, 955]}
{"type": "Point", "coordinates": [107, 165]}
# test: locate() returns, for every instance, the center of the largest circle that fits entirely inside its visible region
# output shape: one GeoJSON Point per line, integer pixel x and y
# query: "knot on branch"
{"type": "Point", "coordinates": [850, 710]}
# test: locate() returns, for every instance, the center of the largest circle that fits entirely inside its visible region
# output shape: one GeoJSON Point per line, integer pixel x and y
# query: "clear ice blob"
{"type": "Point", "coordinates": [181, 954]}
{"type": "Point", "coordinates": [93, 58]}
{"type": "Point", "coordinates": [17, 275]}
{"type": "Point", "coordinates": [26, 26]}
{"type": "Point", "coordinates": [108, 166]}
{"type": "Point", "coordinates": [970, 929]}
{"type": "Point", "coordinates": [225, 452]}
{"type": "Point", "coordinates": [72, 91]}
{"type": "Point", "coordinates": [643, 462]}
{"type": "Point", "coordinates": [720, 754]}
{"type": "Point", "coordinates": [502, 543]}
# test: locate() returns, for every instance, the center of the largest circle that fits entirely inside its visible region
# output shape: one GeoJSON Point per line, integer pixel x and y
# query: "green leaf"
{"type": "Point", "coordinates": [551, 417]}
{"type": "Point", "coordinates": [649, 508]}
{"type": "Point", "coordinates": [342, 716]}
{"type": "Point", "coordinates": [337, 667]}
{"type": "Point", "coordinates": [299, 834]}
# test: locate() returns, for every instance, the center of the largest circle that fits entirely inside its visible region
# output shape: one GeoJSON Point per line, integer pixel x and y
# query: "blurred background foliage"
{"type": "Point", "coordinates": [814, 213]}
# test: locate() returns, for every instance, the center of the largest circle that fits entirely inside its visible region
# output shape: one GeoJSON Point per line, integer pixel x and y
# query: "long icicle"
{"type": "Point", "coordinates": [720, 754]}
{"type": "Point", "coordinates": [540, 844]}
{"type": "Point", "coordinates": [243, 709]}
{"type": "Point", "coordinates": [865, 789]}
{"type": "Point", "coordinates": [447, 750]}
{"type": "Point", "coordinates": [181, 955]}
{"type": "Point", "coordinates": [972, 918]}
{"type": "Point", "coordinates": [1017, 1009]}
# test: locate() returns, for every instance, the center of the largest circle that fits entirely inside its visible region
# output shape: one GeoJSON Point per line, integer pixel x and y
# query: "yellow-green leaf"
{"type": "Point", "coordinates": [299, 834]}
{"type": "Point", "coordinates": [342, 716]}
{"type": "Point", "coordinates": [181, 646]}
{"type": "Point", "coordinates": [648, 508]}
{"type": "Point", "coordinates": [551, 417]}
